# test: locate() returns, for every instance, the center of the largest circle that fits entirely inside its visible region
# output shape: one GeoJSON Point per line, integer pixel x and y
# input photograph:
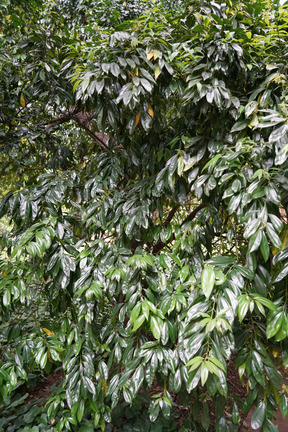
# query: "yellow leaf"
{"type": "Point", "coordinates": [156, 54]}
{"type": "Point", "coordinates": [22, 101]}
{"type": "Point", "coordinates": [157, 72]}
{"type": "Point", "coordinates": [247, 386]}
{"type": "Point", "coordinates": [150, 111]}
{"type": "Point", "coordinates": [49, 357]}
{"type": "Point", "coordinates": [150, 55]}
{"type": "Point", "coordinates": [284, 238]}
{"type": "Point", "coordinates": [153, 53]}
{"type": "Point", "coordinates": [43, 279]}
{"type": "Point", "coordinates": [275, 353]}
{"type": "Point", "coordinates": [276, 394]}
{"type": "Point", "coordinates": [137, 118]}
{"type": "Point", "coordinates": [254, 122]}
{"type": "Point", "coordinates": [48, 332]}
{"type": "Point", "coordinates": [5, 273]}
{"type": "Point", "coordinates": [103, 385]}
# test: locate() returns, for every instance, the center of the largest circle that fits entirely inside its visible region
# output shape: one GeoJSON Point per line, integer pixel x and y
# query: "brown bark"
{"type": "Point", "coordinates": [83, 119]}
{"type": "Point", "coordinates": [160, 245]}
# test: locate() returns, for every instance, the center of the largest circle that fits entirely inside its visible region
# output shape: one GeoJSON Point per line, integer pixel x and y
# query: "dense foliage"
{"type": "Point", "coordinates": [144, 173]}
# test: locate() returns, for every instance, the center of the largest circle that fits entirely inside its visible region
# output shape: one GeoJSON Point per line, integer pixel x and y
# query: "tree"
{"type": "Point", "coordinates": [147, 237]}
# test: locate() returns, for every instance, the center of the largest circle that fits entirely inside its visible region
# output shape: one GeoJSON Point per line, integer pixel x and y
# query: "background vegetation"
{"type": "Point", "coordinates": [144, 183]}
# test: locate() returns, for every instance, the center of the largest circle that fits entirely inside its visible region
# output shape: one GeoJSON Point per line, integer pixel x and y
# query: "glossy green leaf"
{"type": "Point", "coordinates": [255, 241]}
{"type": "Point", "coordinates": [274, 323]}
{"type": "Point", "coordinates": [221, 261]}
{"type": "Point", "coordinates": [284, 405]}
{"type": "Point", "coordinates": [258, 415]}
{"type": "Point", "coordinates": [207, 280]}
{"type": "Point", "coordinates": [264, 247]}
{"type": "Point", "coordinates": [243, 307]}
{"type": "Point", "coordinates": [273, 236]}
{"type": "Point", "coordinates": [138, 323]}
{"type": "Point", "coordinates": [103, 369]}
{"type": "Point", "coordinates": [184, 273]}
{"type": "Point", "coordinates": [155, 328]}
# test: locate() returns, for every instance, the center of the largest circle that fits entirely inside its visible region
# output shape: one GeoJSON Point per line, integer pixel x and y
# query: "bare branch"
{"type": "Point", "coordinates": [160, 245]}
{"type": "Point", "coordinates": [171, 215]}
{"type": "Point", "coordinates": [83, 119]}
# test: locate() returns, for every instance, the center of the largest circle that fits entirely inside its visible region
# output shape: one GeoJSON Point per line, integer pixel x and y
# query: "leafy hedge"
{"type": "Point", "coordinates": [147, 242]}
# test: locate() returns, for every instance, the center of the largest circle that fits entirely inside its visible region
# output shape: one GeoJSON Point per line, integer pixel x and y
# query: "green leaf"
{"type": "Point", "coordinates": [258, 415]}
{"type": "Point", "coordinates": [235, 414]}
{"type": "Point", "coordinates": [258, 372]}
{"type": "Point", "coordinates": [195, 362]}
{"type": "Point", "coordinates": [217, 363]}
{"type": "Point", "coordinates": [204, 373]}
{"type": "Point", "coordinates": [184, 273]}
{"type": "Point", "coordinates": [264, 247]}
{"type": "Point", "coordinates": [274, 323]}
{"type": "Point", "coordinates": [205, 417]}
{"type": "Point", "coordinates": [284, 405]}
{"type": "Point", "coordinates": [212, 161]}
{"type": "Point", "coordinates": [278, 133]}
{"type": "Point", "coordinates": [240, 125]}
{"type": "Point", "coordinates": [177, 381]}
{"type": "Point", "coordinates": [174, 258]}
{"type": "Point", "coordinates": [43, 360]}
{"type": "Point", "coordinates": [207, 280]}
{"type": "Point", "coordinates": [114, 69]}
{"type": "Point", "coordinates": [193, 380]}
{"type": "Point", "coordinates": [165, 333]}
{"type": "Point", "coordinates": [113, 385]}
{"type": "Point", "coordinates": [219, 277]}
{"type": "Point", "coordinates": [246, 272]}
{"type": "Point", "coordinates": [281, 273]}
{"type": "Point", "coordinates": [250, 107]}
{"type": "Point", "coordinates": [146, 84]}
{"type": "Point", "coordinates": [103, 370]}
{"type": "Point", "coordinates": [264, 301]}
{"type": "Point", "coordinates": [155, 328]}
{"type": "Point", "coordinates": [138, 323]}
{"type": "Point", "coordinates": [65, 262]}
{"type": "Point", "coordinates": [77, 346]}
{"type": "Point", "coordinates": [212, 368]}
{"type": "Point", "coordinates": [273, 236]}
{"type": "Point", "coordinates": [276, 222]}
{"type": "Point", "coordinates": [145, 310]}
{"type": "Point", "coordinates": [89, 385]}
{"type": "Point", "coordinates": [243, 305]}
{"type": "Point", "coordinates": [272, 195]}
{"type": "Point", "coordinates": [274, 376]}
{"type": "Point", "coordinates": [80, 410]}
{"type": "Point", "coordinates": [135, 312]}
{"type": "Point", "coordinates": [251, 228]}
{"type": "Point", "coordinates": [6, 297]}
{"type": "Point", "coordinates": [255, 241]}
{"type": "Point", "coordinates": [221, 260]}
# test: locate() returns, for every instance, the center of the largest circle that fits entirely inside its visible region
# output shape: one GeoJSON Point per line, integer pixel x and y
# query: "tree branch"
{"type": "Point", "coordinates": [160, 245]}
{"type": "Point", "coordinates": [83, 119]}
{"type": "Point", "coordinates": [171, 215]}
{"type": "Point", "coordinates": [192, 215]}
